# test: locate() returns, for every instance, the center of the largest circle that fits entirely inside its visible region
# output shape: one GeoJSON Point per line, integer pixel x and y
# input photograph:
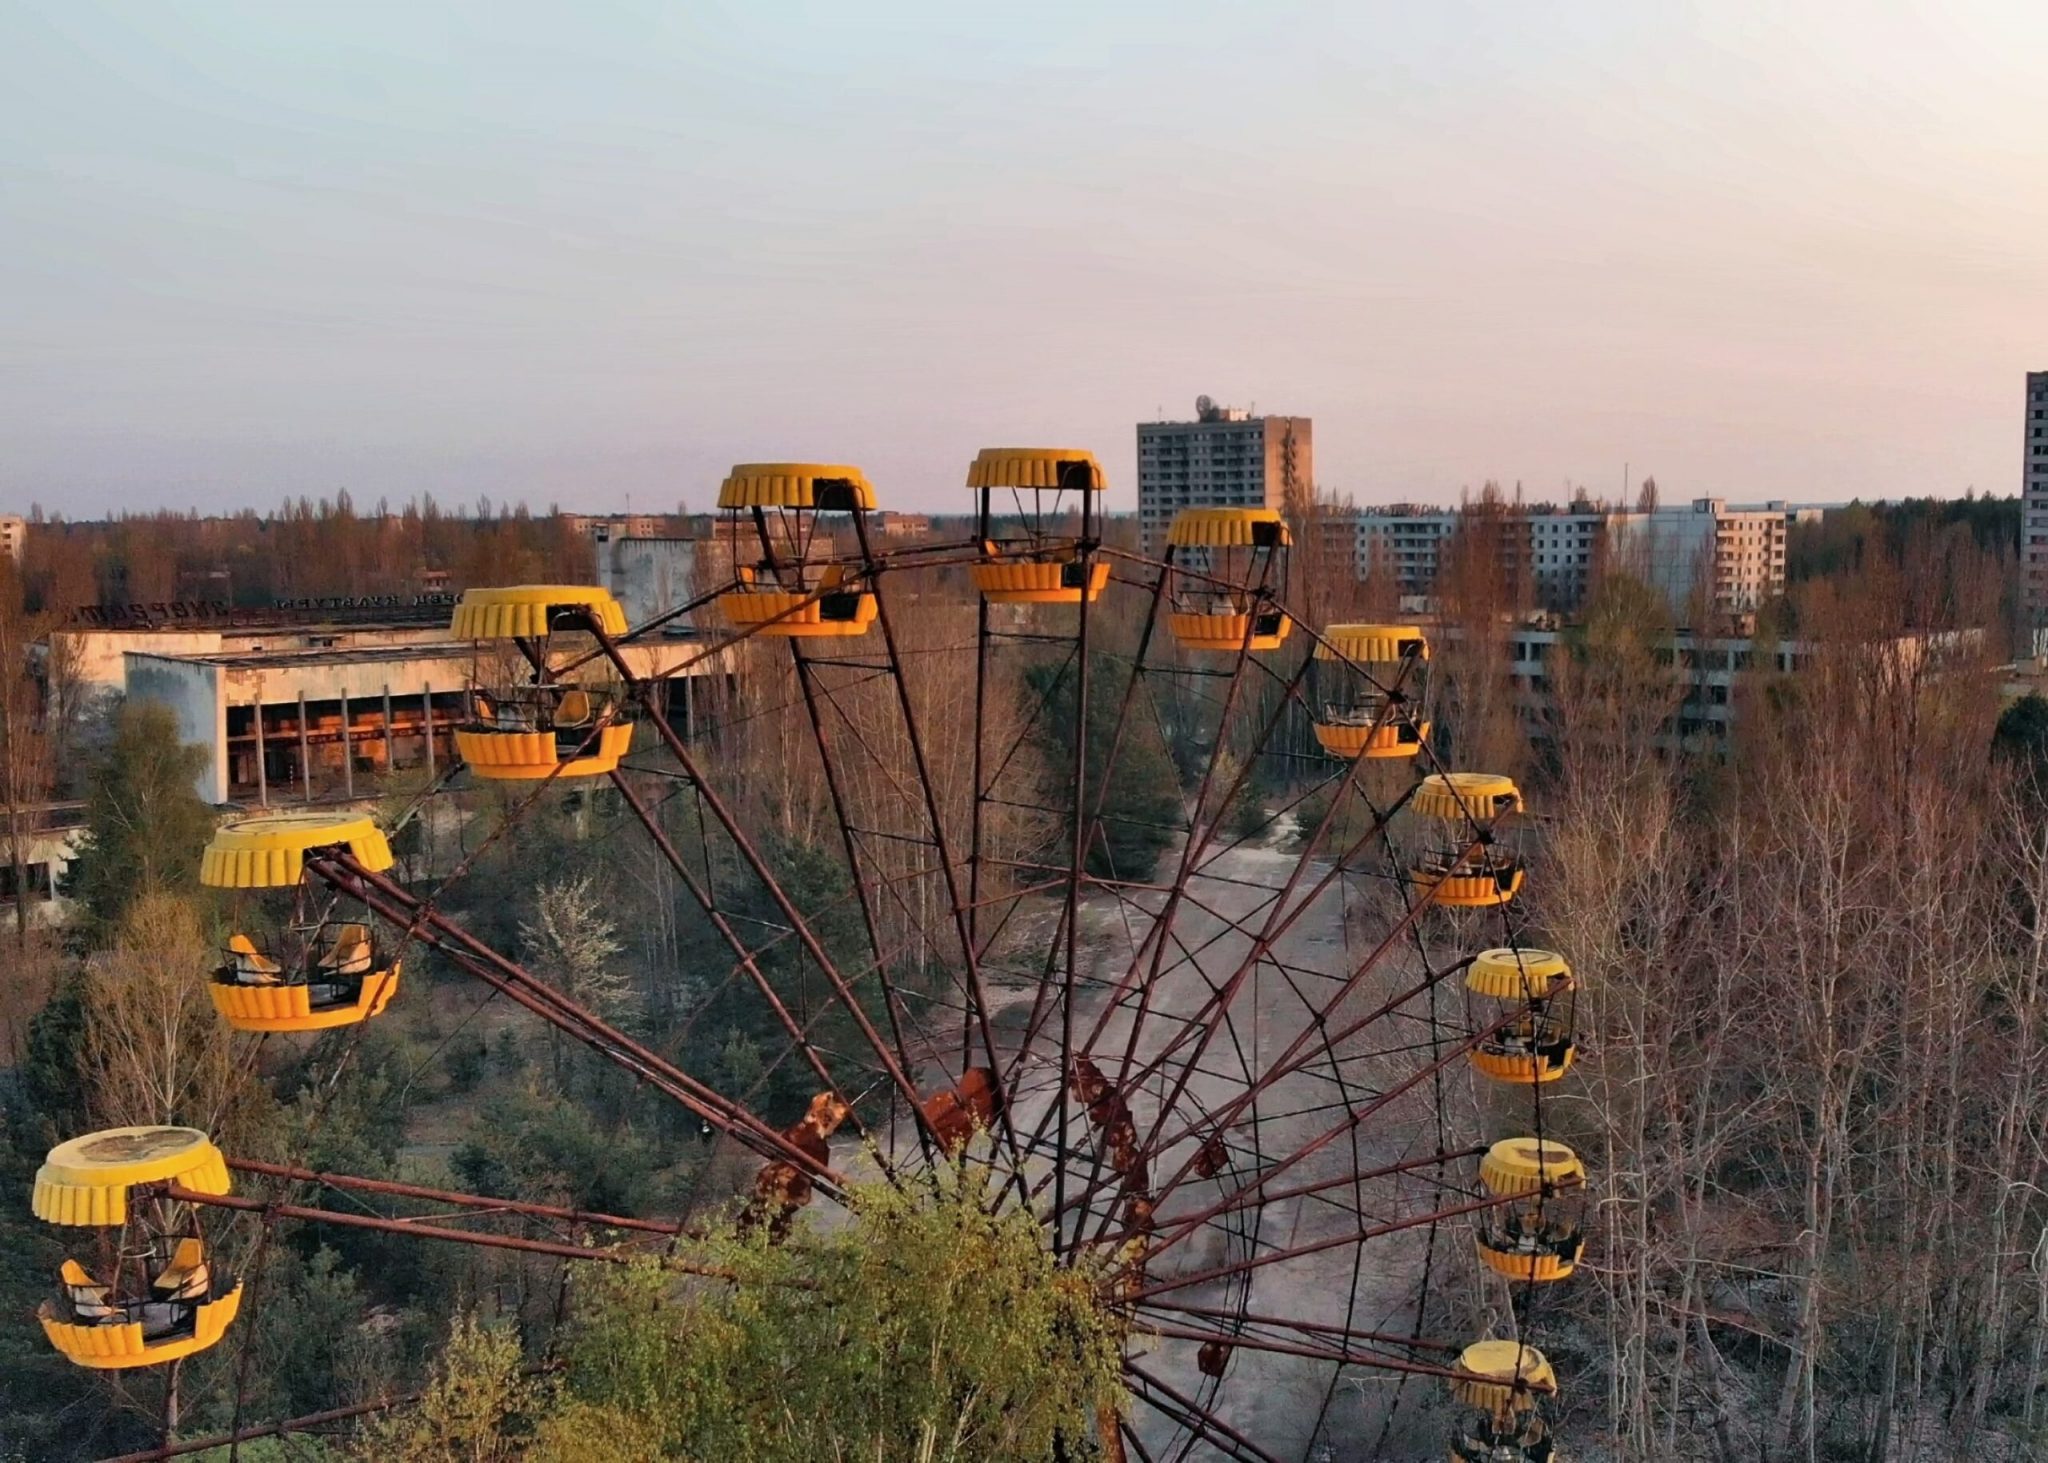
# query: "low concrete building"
{"type": "Point", "coordinates": [96, 654]}
{"type": "Point", "coordinates": [891, 524]}
{"type": "Point", "coordinates": [317, 725]}
{"type": "Point", "coordinates": [603, 527]}
{"type": "Point", "coordinates": [1709, 671]}
{"type": "Point", "coordinates": [54, 832]}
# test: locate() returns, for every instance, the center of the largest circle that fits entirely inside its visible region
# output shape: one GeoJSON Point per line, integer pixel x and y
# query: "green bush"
{"type": "Point", "coordinates": [926, 1328]}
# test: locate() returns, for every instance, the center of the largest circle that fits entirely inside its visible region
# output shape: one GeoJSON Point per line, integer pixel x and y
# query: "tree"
{"type": "Point", "coordinates": [926, 1328]}
{"type": "Point", "coordinates": [145, 825]}
{"type": "Point", "coordinates": [2022, 738]}
{"type": "Point", "coordinates": [27, 766]}
{"type": "Point", "coordinates": [475, 1408]}
{"type": "Point", "coordinates": [155, 1051]}
{"type": "Point", "coordinates": [573, 945]}
{"type": "Point", "coordinates": [1616, 686]}
{"type": "Point", "coordinates": [530, 1147]}
{"type": "Point", "coordinates": [1483, 585]}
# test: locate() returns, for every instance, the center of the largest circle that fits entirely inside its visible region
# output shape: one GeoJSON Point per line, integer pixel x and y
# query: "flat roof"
{"type": "Point", "coordinates": [345, 655]}
{"type": "Point", "coordinates": [254, 624]}
{"type": "Point", "coordinates": [325, 655]}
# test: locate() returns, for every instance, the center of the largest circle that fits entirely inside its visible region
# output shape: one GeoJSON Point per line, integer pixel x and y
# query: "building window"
{"type": "Point", "coordinates": [35, 876]}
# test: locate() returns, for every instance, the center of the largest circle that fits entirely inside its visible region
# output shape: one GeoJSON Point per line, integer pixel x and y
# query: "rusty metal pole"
{"type": "Point", "coordinates": [305, 753]}
{"type": "Point", "coordinates": [348, 752]}
{"type": "Point", "coordinates": [445, 1196]}
{"type": "Point", "coordinates": [262, 775]}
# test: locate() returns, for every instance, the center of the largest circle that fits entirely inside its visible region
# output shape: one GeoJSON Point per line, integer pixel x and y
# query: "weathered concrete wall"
{"type": "Point", "coordinates": [192, 690]}
{"type": "Point", "coordinates": [99, 653]}
{"type": "Point", "coordinates": [647, 575]}
{"type": "Point", "coordinates": [326, 678]}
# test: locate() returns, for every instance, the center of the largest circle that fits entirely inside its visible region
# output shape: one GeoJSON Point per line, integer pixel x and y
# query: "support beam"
{"type": "Point", "coordinates": [445, 1196]}
{"type": "Point", "coordinates": [348, 752]}
{"type": "Point", "coordinates": [891, 1060]}
{"type": "Point", "coordinates": [421, 921]}
{"type": "Point", "coordinates": [305, 754]}
{"type": "Point", "coordinates": [418, 1231]}
{"type": "Point", "coordinates": [262, 755]}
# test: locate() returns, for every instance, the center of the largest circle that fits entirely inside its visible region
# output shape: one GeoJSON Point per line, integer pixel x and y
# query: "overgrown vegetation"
{"type": "Point", "coordinates": [923, 1328]}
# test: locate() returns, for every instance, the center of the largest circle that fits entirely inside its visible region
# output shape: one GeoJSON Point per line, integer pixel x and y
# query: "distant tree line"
{"type": "Point", "coordinates": [307, 548]}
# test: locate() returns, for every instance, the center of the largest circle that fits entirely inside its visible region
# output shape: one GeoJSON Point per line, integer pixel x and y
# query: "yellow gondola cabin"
{"type": "Point", "coordinates": [1226, 572]}
{"type": "Point", "coordinates": [1498, 1386]}
{"type": "Point", "coordinates": [1466, 863]}
{"type": "Point", "coordinates": [1527, 1000]}
{"type": "Point", "coordinates": [300, 960]}
{"type": "Point", "coordinates": [1372, 682]}
{"type": "Point", "coordinates": [1032, 506]}
{"type": "Point", "coordinates": [148, 1291]}
{"type": "Point", "coordinates": [1537, 1237]}
{"type": "Point", "coordinates": [794, 581]}
{"type": "Point", "coordinates": [526, 722]}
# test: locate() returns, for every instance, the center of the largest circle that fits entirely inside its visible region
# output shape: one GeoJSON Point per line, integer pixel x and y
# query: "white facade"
{"type": "Point", "coordinates": [1404, 540]}
{"type": "Point", "coordinates": [1565, 551]}
{"type": "Point", "coordinates": [1728, 560]}
{"type": "Point", "coordinates": [1734, 556]}
{"type": "Point", "coordinates": [337, 697]}
{"type": "Point", "coordinates": [56, 830]}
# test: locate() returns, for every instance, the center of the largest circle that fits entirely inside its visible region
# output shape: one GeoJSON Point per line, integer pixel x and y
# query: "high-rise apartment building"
{"type": "Point", "coordinates": [2034, 498]}
{"type": "Point", "coordinates": [1705, 554]}
{"type": "Point", "coordinates": [1402, 540]}
{"type": "Point", "coordinates": [1729, 561]}
{"type": "Point", "coordinates": [13, 535]}
{"type": "Point", "coordinates": [1565, 549]}
{"type": "Point", "coordinates": [1224, 458]}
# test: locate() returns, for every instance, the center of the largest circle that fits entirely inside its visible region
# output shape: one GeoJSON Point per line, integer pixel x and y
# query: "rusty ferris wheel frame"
{"type": "Point", "coordinates": [1103, 1132]}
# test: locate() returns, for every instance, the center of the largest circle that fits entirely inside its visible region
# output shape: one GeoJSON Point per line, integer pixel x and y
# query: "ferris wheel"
{"type": "Point", "coordinates": [1270, 1051]}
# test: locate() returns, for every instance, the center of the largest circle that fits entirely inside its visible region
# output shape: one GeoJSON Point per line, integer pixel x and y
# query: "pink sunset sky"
{"type": "Point", "coordinates": [578, 254]}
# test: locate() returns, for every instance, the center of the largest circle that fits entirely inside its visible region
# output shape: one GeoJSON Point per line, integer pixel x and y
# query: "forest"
{"type": "Point", "coordinates": [1811, 1097]}
{"type": "Point", "coordinates": [307, 549]}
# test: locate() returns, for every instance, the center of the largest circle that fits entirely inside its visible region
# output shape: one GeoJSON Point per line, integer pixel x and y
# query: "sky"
{"type": "Point", "coordinates": [586, 253]}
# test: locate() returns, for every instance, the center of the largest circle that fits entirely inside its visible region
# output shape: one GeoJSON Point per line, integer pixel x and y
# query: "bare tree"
{"type": "Point", "coordinates": [27, 764]}
{"type": "Point", "coordinates": [155, 1050]}
{"type": "Point", "coordinates": [573, 943]}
